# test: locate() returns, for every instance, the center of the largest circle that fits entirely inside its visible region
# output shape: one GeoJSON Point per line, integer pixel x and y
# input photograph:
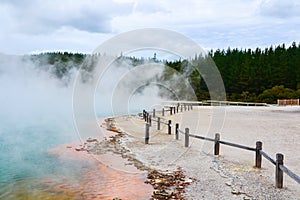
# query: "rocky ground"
{"type": "Point", "coordinates": [166, 184]}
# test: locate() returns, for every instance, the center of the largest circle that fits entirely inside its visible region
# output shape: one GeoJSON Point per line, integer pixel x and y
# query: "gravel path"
{"type": "Point", "coordinates": [230, 175]}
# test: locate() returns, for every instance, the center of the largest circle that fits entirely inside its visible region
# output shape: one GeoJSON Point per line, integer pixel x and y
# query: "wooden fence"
{"type": "Point", "coordinates": [280, 168]}
{"type": "Point", "coordinates": [288, 102]}
{"type": "Point", "coordinates": [217, 103]}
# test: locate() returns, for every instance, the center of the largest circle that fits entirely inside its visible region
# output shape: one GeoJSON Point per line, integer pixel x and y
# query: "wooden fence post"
{"type": "Point", "coordinates": [147, 133]}
{"type": "Point", "coordinates": [191, 107]}
{"type": "Point", "coordinates": [144, 115]}
{"type": "Point", "coordinates": [158, 123]}
{"type": "Point", "coordinates": [217, 144]}
{"type": "Point", "coordinates": [154, 112]}
{"type": "Point", "coordinates": [150, 120]}
{"type": "Point", "coordinates": [278, 171]}
{"type": "Point", "coordinates": [169, 127]}
{"type": "Point", "coordinates": [147, 117]}
{"type": "Point", "coordinates": [163, 112]}
{"type": "Point", "coordinates": [176, 131]}
{"type": "Point", "coordinates": [184, 107]}
{"type": "Point", "coordinates": [181, 108]}
{"type": "Point", "coordinates": [257, 154]}
{"type": "Point", "coordinates": [171, 110]}
{"type": "Point", "coordinates": [177, 108]}
{"type": "Point", "coordinates": [186, 137]}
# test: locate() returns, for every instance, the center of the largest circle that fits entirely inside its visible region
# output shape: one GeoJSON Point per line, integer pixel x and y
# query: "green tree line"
{"type": "Point", "coordinates": [260, 75]}
{"type": "Point", "coordinates": [251, 75]}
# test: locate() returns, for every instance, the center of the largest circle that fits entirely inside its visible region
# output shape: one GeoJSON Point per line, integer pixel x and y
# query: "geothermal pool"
{"type": "Point", "coordinates": [35, 117]}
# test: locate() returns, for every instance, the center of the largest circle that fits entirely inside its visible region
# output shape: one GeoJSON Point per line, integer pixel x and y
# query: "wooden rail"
{"type": "Point", "coordinates": [237, 145]}
{"type": "Point", "coordinates": [234, 103]}
{"type": "Point", "coordinates": [279, 165]}
{"type": "Point", "coordinates": [279, 169]}
{"type": "Point", "coordinates": [288, 102]}
{"type": "Point", "coordinates": [268, 157]}
{"type": "Point", "coordinates": [216, 103]}
{"type": "Point", "coordinates": [290, 173]}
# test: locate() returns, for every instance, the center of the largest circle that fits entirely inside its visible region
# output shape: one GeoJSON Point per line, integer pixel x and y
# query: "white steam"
{"type": "Point", "coordinates": [31, 95]}
{"type": "Point", "coordinates": [35, 116]}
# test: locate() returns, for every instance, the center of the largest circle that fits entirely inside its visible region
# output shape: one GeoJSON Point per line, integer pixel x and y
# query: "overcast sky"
{"type": "Point", "coordinates": [81, 25]}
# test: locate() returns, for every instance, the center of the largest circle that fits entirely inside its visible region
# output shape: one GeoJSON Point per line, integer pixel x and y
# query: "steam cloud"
{"type": "Point", "coordinates": [36, 106]}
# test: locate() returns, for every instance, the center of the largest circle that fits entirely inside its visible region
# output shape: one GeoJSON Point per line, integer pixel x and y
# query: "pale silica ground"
{"type": "Point", "coordinates": [230, 175]}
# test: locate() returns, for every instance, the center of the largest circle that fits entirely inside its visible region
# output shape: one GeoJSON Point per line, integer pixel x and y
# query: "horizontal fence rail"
{"type": "Point", "coordinates": [290, 173]}
{"type": "Point", "coordinates": [237, 145]}
{"type": "Point", "coordinates": [216, 103]}
{"type": "Point", "coordinates": [180, 131]}
{"type": "Point", "coordinates": [229, 103]}
{"type": "Point", "coordinates": [201, 137]}
{"type": "Point", "coordinates": [165, 123]}
{"type": "Point", "coordinates": [267, 157]}
{"type": "Point", "coordinates": [279, 166]}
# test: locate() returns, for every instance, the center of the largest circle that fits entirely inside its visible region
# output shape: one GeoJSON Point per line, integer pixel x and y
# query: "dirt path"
{"type": "Point", "coordinates": [231, 175]}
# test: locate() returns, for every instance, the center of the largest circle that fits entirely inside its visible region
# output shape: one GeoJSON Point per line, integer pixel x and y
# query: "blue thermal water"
{"type": "Point", "coordinates": [20, 156]}
{"type": "Point", "coordinates": [24, 152]}
{"type": "Point", "coordinates": [35, 116]}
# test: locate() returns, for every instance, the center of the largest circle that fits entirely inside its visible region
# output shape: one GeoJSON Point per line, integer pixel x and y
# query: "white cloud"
{"type": "Point", "coordinates": [32, 25]}
{"type": "Point", "coordinates": [280, 9]}
{"type": "Point", "coordinates": [218, 23]}
{"type": "Point", "coordinates": [40, 16]}
{"type": "Point", "coordinates": [183, 16]}
{"type": "Point", "coordinates": [63, 39]}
